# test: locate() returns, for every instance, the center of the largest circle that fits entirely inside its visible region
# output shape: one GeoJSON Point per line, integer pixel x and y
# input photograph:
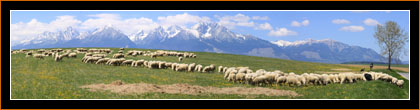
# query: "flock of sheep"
{"type": "Point", "coordinates": [243, 75]}
{"type": "Point", "coordinates": [263, 77]}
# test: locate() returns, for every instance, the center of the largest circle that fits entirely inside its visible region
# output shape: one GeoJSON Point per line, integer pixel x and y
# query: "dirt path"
{"type": "Point", "coordinates": [138, 88]}
{"type": "Point", "coordinates": [377, 67]}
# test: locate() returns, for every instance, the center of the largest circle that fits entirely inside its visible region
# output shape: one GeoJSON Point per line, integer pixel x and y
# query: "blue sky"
{"type": "Point", "coordinates": [354, 28]}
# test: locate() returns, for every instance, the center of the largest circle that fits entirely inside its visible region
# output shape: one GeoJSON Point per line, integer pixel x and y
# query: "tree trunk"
{"type": "Point", "coordinates": [389, 61]}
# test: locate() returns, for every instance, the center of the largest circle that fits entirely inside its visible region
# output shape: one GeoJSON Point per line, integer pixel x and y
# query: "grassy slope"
{"type": "Point", "coordinates": [40, 79]}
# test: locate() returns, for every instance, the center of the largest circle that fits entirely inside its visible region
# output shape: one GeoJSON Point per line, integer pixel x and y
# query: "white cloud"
{"type": "Point", "coordinates": [265, 26]}
{"type": "Point", "coordinates": [305, 22]}
{"type": "Point", "coordinates": [295, 24]}
{"type": "Point", "coordinates": [340, 21]}
{"type": "Point", "coordinates": [24, 31]}
{"type": "Point", "coordinates": [106, 16]}
{"type": "Point", "coordinates": [370, 22]}
{"type": "Point", "coordinates": [298, 24]}
{"type": "Point", "coordinates": [237, 20]}
{"type": "Point", "coordinates": [181, 19]}
{"type": "Point", "coordinates": [260, 17]}
{"type": "Point", "coordinates": [352, 28]}
{"type": "Point", "coordinates": [281, 32]}
{"type": "Point", "coordinates": [127, 26]}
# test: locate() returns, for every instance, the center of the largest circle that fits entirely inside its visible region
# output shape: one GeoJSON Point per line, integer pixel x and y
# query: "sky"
{"type": "Point", "coordinates": [350, 27]}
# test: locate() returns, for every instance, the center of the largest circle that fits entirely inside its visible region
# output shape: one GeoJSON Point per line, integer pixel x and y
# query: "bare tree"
{"type": "Point", "coordinates": [391, 38]}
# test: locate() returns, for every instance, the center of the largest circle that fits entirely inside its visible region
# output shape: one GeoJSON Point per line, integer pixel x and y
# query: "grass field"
{"type": "Point", "coordinates": [46, 79]}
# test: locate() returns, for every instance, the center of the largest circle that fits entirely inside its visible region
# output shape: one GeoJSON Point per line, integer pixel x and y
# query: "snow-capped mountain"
{"type": "Point", "coordinates": [49, 39]}
{"type": "Point", "coordinates": [327, 51]}
{"type": "Point", "coordinates": [210, 37]}
{"type": "Point", "coordinates": [101, 37]}
{"type": "Point", "coordinates": [205, 37]}
{"type": "Point", "coordinates": [107, 37]}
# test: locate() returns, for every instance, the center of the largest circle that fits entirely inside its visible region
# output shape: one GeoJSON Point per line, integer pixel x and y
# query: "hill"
{"type": "Point", "coordinates": [45, 79]}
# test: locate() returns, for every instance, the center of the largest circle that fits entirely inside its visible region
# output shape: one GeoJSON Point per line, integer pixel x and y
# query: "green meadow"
{"type": "Point", "coordinates": [46, 79]}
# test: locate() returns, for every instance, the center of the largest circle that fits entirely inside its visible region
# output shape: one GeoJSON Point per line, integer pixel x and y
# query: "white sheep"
{"type": "Point", "coordinates": [219, 69]}
{"type": "Point", "coordinates": [127, 62]}
{"type": "Point", "coordinates": [260, 80]}
{"type": "Point", "coordinates": [102, 61]}
{"type": "Point", "coordinates": [181, 67]}
{"type": "Point", "coordinates": [118, 55]}
{"type": "Point", "coordinates": [92, 59]}
{"type": "Point", "coordinates": [293, 80]}
{"type": "Point", "coordinates": [240, 77]}
{"type": "Point", "coordinates": [168, 64]}
{"type": "Point", "coordinates": [208, 68]}
{"type": "Point", "coordinates": [161, 64]}
{"type": "Point", "coordinates": [301, 79]}
{"type": "Point", "coordinates": [198, 68]}
{"type": "Point", "coordinates": [40, 56]}
{"type": "Point", "coordinates": [346, 76]}
{"type": "Point", "coordinates": [173, 66]}
{"type": "Point", "coordinates": [153, 64]}
{"type": "Point", "coordinates": [325, 79]}
{"type": "Point", "coordinates": [281, 79]}
{"type": "Point", "coordinates": [400, 83]}
{"type": "Point", "coordinates": [73, 55]}
{"type": "Point", "coordinates": [191, 67]}
{"type": "Point", "coordinates": [58, 58]}
{"type": "Point", "coordinates": [180, 59]}
{"type": "Point", "coordinates": [137, 63]}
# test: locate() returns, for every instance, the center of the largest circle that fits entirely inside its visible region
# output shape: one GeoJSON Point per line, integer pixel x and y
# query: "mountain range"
{"type": "Point", "coordinates": [204, 37]}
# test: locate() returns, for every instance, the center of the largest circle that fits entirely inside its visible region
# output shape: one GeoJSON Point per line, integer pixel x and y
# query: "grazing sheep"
{"type": "Point", "coordinates": [281, 79]}
{"type": "Point", "coordinates": [249, 77]}
{"type": "Point", "coordinates": [394, 80]}
{"type": "Point", "coordinates": [92, 59]}
{"type": "Point", "coordinates": [400, 83]}
{"type": "Point", "coordinates": [40, 56]}
{"type": "Point", "coordinates": [58, 58]}
{"type": "Point", "coordinates": [312, 78]}
{"type": "Point", "coordinates": [302, 80]}
{"type": "Point", "coordinates": [115, 62]}
{"type": "Point", "coordinates": [191, 67]}
{"type": "Point", "coordinates": [99, 55]}
{"type": "Point", "coordinates": [292, 80]}
{"type": "Point", "coordinates": [198, 68]}
{"type": "Point", "coordinates": [162, 65]}
{"type": "Point", "coordinates": [325, 79]}
{"type": "Point", "coordinates": [231, 75]}
{"type": "Point", "coordinates": [180, 59]}
{"type": "Point", "coordinates": [260, 80]}
{"type": "Point", "coordinates": [181, 67]}
{"type": "Point", "coordinates": [127, 62]}
{"type": "Point", "coordinates": [153, 56]}
{"type": "Point", "coordinates": [346, 76]}
{"type": "Point", "coordinates": [359, 77]}
{"type": "Point", "coordinates": [153, 64]}
{"type": "Point", "coordinates": [224, 69]}
{"type": "Point", "coordinates": [240, 77]}
{"type": "Point", "coordinates": [173, 66]}
{"type": "Point", "coordinates": [362, 70]}
{"type": "Point", "coordinates": [210, 68]}
{"type": "Point", "coordinates": [168, 64]}
{"type": "Point", "coordinates": [118, 55]}
{"type": "Point", "coordinates": [102, 61]}
{"type": "Point", "coordinates": [137, 63]}
{"type": "Point", "coordinates": [73, 55]}
{"type": "Point", "coordinates": [220, 68]}
{"type": "Point", "coordinates": [88, 54]}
